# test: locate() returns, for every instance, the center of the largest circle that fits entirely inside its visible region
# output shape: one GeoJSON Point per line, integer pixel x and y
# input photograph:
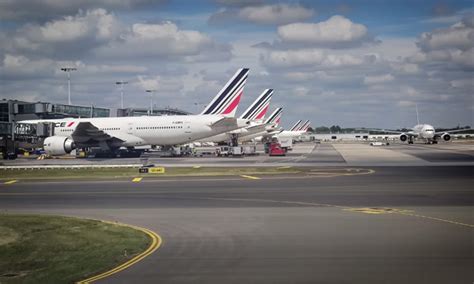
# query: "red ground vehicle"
{"type": "Point", "coordinates": [276, 150]}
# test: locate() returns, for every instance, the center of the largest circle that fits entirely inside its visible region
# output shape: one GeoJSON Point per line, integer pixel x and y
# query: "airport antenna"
{"type": "Point", "coordinates": [68, 71]}
{"type": "Point", "coordinates": [417, 117]}
{"type": "Point", "coordinates": [121, 83]}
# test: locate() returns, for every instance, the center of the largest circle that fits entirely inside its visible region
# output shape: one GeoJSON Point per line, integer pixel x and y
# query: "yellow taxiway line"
{"type": "Point", "coordinates": [10, 181]}
{"type": "Point", "coordinates": [138, 179]}
{"type": "Point", "coordinates": [155, 244]}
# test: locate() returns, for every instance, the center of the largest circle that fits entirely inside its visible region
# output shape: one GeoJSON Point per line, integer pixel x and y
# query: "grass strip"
{"type": "Point", "coordinates": [97, 173]}
{"type": "Point", "coordinates": [53, 249]}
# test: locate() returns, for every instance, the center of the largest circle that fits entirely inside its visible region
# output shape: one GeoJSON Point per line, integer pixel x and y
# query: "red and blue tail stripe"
{"type": "Point", "coordinates": [228, 98]}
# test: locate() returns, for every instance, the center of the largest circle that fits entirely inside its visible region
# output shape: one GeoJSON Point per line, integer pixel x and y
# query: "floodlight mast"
{"type": "Point", "coordinates": [68, 71]}
{"type": "Point", "coordinates": [121, 83]}
{"type": "Point", "coordinates": [151, 100]}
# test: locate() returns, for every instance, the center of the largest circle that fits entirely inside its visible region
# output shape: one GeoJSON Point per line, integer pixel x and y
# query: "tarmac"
{"type": "Point", "coordinates": [402, 214]}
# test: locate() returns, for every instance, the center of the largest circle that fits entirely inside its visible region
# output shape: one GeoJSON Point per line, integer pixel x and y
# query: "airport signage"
{"type": "Point", "coordinates": [153, 170]}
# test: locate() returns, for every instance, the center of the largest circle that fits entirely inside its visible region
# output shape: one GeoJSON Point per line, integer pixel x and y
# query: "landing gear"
{"type": "Point", "coordinates": [234, 141]}
{"type": "Point", "coordinates": [434, 142]}
{"type": "Point", "coordinates": [410, 140]}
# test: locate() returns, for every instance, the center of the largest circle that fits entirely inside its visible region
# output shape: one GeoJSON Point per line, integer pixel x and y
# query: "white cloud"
{"type": "Point", "coordinates": [162, 40]}
{"type": "Point", "coordinates": [275, 14]}
{"type": "Point", "coordinates": [453, 46]}
{"type": "Point", "coordinates": [337, 30]}
{"type": "Point", "coordinates": [378, 79]}
{"type": "Point", "coordinates": [463, 83]}
{"type": "Point", "coordinates": [70, 35]}
{"type": "Point", "coordinates": [160, 84]}
{"type": "Point", "coordinates": [301, 91]}
{"type": "Point", "coordinates": [405, 68]}
{"type": "Point", "coordinates": [45, 10]}
{"type": "Point", "coordinates": [309, 58]}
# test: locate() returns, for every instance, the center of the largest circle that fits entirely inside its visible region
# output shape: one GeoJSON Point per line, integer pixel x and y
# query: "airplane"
{"type": "Point", "coordinates": [255, 113]}
{"type": "Point", "coordinates": [271, 127]}
{"type": "Point", "coordinates": [295, 131]}
{"type": "Point", "coordinates": [112, 133]}
{"type": "Point", "coordinates": [423, 131]}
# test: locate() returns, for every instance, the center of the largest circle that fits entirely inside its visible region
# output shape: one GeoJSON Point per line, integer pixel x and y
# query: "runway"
{"type": "Point", "coordinates": [290, 229]}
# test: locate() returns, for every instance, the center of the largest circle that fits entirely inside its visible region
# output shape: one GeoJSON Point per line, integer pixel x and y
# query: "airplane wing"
{"type": "Point", "coordinates": [438, 133]}
{"type": "Point", "coordinates": [256, 128]}
{"type": "Point", "coordinates": [380, 130]}
{"type": "Point", "coordinates": [224, 122]}
{"type": "Point", "coordinates": [88, 134]}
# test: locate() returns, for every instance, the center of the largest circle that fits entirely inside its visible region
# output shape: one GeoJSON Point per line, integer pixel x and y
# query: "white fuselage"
{"type": "Point", "coordinates": [424, 131]}
{"type": "Point", "coordinates": [149, 130]}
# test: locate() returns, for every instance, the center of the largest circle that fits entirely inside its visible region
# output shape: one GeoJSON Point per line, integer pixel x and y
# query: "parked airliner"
{"type": "Point", "coordinates": [111, 133]}
{"type": "Point", "coordinates": [255, 113]}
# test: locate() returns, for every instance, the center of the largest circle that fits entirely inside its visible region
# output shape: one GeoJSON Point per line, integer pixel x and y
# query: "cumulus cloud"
{"type": "Point", "coordinates": [310, 58]}
{"type": "Point", "coordinates": [336, 31]}
{"type": "Point", "coordinates": [378, 79]}
{"type": "Point", "coordinates": [161, 40]}
{"type": "Point", "coordinates": [453, 45]}
{"type": "Point", "coordinates": [276, 14]}
{"type": "Point", "coordinates": [45, 10]}
{"type": "Point", "coordinates": [159, 83]}
{"type": "Point", "coordinates": [66, 36]}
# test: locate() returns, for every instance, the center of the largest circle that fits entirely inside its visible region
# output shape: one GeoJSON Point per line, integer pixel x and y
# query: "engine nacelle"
{"type": "Point", "coordinates": [446, 137]}
{"type": "Point", "coordinates": [58, 145]}
{"type": "Point", "coordinates": [403, 137]}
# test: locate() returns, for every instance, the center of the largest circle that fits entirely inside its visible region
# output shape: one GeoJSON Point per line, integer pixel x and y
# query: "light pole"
{"type": "Point", "coordinates": [121, 83]}
{"type": "Point", "coordinates": [151, 100]}
{"type": "Point", "coordinates": [68, 71]}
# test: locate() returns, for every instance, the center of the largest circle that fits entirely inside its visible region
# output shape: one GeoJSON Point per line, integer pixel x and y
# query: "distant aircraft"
{"type": "Point", "coordinates": [255, 113]}
{"type": "Point", "coordinates": [111, 133]}
{"type": "Point", "coordinates": [295, 131]}
{"type": "Point", "coordinates": [271, 127]}
{"type": "Point", "coordinates": [423, 131]}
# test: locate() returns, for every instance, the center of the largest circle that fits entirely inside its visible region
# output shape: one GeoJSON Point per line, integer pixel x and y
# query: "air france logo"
{"type": "Point", "coordinates": [64, 124]}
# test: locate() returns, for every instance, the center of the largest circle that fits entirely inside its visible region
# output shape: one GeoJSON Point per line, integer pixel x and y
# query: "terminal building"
{"type": "Point", "coordinates": [145, 111]}
{"type": "Point", "coordinates": [13, 133]}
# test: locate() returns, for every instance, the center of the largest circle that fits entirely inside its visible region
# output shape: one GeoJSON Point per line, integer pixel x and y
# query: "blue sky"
{"type": "Point", "coordinates": [352, 63]}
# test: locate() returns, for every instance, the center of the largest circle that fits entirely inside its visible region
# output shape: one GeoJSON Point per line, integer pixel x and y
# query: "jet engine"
{"type": "Point", "coordinates": [58, 145]}
{"type": "Point", "coordinates": [403, 137]}
{"type": "Point", "coordinates": [446, 137]}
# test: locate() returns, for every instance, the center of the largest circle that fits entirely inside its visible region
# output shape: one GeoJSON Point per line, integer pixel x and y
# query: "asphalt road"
{"type": "Point", "coordinates": [299, 229]}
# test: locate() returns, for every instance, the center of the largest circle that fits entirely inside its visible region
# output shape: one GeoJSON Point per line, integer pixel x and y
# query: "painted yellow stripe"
{"type": "Point", "coordinates": [155, 244]}
{"type": "Point", "coordinates": [249, 177]}
{"type": "Point", "coordinates": [139, 179]}
{"type": "Point", "coordinates": [10, 181]}
{"type": "Point", "coordinates": [196, 167]}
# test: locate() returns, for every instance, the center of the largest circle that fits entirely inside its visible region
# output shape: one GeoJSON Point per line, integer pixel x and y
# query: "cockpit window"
{"type": "Point", "coordinates": [429, 130]}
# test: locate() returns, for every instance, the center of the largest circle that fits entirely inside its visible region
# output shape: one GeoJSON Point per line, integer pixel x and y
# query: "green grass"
{"type": "Point", "coordinates": [96, 173]}
{"type": "Point", "coordinates": [51, 249]}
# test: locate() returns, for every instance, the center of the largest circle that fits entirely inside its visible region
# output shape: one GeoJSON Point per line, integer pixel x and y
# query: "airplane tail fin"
{"type": "Point", "coordinates": [228, 98]}
{"type": "Point", "coordinates": [296, 126]}
{"type": "Point", "coordinates": [259, 107]}
{"type": "Point", "coordinates": [304, 126]}
{"type": "Point", "coordinates": [275, 117]}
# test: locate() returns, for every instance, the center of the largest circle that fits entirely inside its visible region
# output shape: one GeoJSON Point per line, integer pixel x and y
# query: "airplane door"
{"type": "Point", "coordinates": [187, 129]}
{"type": "Point", "coordinates": [130, 128]}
